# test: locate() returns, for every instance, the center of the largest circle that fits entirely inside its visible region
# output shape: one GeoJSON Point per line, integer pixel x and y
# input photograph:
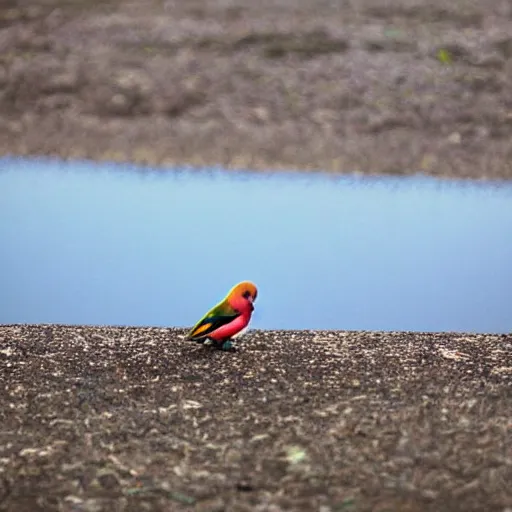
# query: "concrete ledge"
{"type": "Point", "coordinates": [109, 418]}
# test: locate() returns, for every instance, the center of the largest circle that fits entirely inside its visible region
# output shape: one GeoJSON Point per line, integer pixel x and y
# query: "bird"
{"type": "Point", "coordinates": [228, 319]}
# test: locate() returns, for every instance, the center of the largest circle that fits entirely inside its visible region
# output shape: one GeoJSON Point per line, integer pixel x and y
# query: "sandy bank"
{"type": "Point", "coordinates": [415, 86]}
{"type": "Point", "coordinates": [106, 418]}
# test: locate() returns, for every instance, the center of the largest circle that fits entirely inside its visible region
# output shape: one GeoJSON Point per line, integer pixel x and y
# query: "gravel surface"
{"type": "Point", "coordinates": [398, 87]}
{"type": "Point", "coordinates": [133, 419]}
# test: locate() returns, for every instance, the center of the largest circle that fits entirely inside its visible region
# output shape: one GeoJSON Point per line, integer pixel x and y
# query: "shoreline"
{"type": "Point", "coordinates": [171, 166]}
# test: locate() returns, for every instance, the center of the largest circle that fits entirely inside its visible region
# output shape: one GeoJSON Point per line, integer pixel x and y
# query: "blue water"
{"type": "Point", "coordinates": [96, 243]}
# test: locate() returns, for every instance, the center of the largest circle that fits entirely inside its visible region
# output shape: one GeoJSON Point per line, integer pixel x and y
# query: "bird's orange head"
{"type": "Point", "coordinates": [243, 293]}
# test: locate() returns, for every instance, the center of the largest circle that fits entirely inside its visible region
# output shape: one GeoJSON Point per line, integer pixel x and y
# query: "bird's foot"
{"type": "Point", "coordinates": [227, 346]}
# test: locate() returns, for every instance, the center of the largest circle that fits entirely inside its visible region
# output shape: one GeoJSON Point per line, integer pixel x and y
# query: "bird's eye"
{"type": "Point", "coordinates": [246, 294]}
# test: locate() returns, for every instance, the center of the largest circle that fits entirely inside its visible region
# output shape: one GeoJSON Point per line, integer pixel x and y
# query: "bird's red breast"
{"type": "Point", "coordinates": [233, 328]}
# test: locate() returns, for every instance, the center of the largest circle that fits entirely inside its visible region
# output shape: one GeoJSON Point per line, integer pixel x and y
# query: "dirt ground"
{"type": "Point", "coordinates": [397, 87]}
{"type": "Point", "coordinates": [133, 419]}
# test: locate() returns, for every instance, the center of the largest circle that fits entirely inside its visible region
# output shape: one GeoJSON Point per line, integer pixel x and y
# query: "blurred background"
{"type": "Point", "coordinates": [353, 159]}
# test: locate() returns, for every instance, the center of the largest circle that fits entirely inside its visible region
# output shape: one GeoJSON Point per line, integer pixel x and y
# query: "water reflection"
{"type": "Point", "coordinates": [116, 244]}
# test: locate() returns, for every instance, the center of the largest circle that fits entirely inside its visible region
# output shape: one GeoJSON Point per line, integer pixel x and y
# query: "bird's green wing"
{"type": "Point", "coordinates": [218, 316]}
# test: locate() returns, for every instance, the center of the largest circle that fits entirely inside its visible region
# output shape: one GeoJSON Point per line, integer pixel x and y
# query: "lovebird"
{"type": "Point", "coordinates": [228, 319]}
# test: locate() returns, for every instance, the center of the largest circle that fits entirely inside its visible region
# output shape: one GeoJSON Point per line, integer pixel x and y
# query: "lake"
{"type": "Point", "coordinates": [105, 243]}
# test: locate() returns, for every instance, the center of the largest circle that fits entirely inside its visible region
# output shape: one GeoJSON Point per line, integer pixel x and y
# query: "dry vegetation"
{"type": "Point", "coordinates": [394, 87]}
{"type": "Point", "coordinates": [133, 419]}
